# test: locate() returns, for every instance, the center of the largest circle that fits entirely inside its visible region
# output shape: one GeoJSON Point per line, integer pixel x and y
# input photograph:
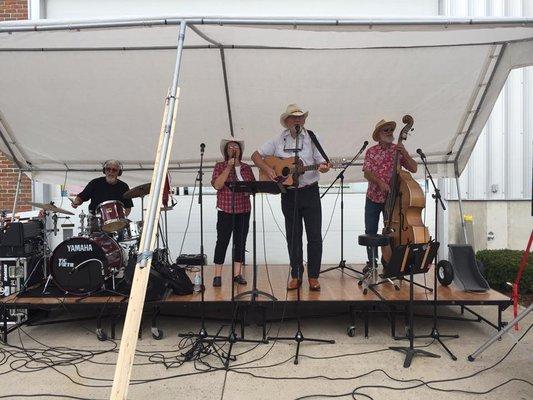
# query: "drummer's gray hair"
{"type": "Point", "coordinates": [113, 162]}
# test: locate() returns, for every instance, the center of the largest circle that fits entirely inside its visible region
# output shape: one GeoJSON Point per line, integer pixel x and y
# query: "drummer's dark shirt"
{"type": "Point", "coordinates": [98, 191]}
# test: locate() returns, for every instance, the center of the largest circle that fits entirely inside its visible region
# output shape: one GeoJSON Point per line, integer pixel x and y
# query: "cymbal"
{"type": "Point", "coordinates": [138, 191]}
{"type": "Point", "coordinates": [50, 207]}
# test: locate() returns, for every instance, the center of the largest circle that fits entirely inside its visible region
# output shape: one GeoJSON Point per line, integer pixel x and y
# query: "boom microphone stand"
{"type": "Point", "coordinates": [298, 337]}
{"type": "Point", "coordinates": [435, 334]}
{"type": "Point", "coordinates": [342, 262]}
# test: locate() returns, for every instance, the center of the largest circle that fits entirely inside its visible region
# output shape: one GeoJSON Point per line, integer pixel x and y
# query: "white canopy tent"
{"type": "Point", "coordinates": [75, 93]}
{"type": "Point", "coordinates": [82, 92]}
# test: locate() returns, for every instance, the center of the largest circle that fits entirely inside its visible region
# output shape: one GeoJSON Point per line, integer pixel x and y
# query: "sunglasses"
{"type": "Point", "coordinates": [388, 130]}
{"type": "Point", "coordinates": [111, 169]}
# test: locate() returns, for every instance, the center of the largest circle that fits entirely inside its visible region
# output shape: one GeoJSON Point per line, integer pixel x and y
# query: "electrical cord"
{"type": "Point", "coordinates": [188, 218]}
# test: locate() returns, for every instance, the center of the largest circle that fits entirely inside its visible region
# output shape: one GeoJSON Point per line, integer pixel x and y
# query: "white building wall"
{"type": "Point", "coordinates": [500, 167]}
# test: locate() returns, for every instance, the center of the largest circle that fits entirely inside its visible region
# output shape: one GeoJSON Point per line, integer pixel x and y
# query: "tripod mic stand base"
{"type": "Point", "coordinates": [299, 338]}
{"type": "Point", "coordinates": [410, 353]}
{"type": "Point", "coordinates": [342, 265]}
{"type": "Point", "coordinates": [437, 336]}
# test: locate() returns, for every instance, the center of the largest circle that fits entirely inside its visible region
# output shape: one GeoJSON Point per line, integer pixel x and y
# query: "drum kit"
{"type": "Point", "coordinates": [92, 261]}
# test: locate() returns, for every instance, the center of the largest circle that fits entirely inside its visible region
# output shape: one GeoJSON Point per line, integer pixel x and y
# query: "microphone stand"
{"type": "Point", "coordinates": [342, 264]}
{"type": "Point", "coordinates": [204, 341]}
{"type": "Point", "coordinates": [435, 334]}
{"type": "Point", "coordinates": [298, 337]}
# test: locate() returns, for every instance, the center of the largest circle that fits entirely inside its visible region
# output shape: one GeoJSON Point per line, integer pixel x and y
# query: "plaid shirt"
{"type": "Point", "coordinates": [225, 196]}
{"type": "Point", "coordinates": [379, 160]}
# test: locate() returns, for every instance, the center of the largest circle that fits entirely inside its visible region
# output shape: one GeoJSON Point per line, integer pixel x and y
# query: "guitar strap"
{"type": "Point", "coordinates": [317, 144]}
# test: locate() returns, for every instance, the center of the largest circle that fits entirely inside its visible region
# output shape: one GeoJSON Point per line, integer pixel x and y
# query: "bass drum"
{"type": "Point", "coordinates": [81, 265]}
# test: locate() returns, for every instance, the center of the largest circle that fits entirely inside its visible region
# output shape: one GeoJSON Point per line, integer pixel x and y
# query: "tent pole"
{"type": "Point", "coordinates": [460, 203]}
{"type": "Point", "coordinates": [15, 159]}
{"type": "Point", "coordinates": [97, 23]}
{"type": "Point", "coordinates": [132, 321]}
{"type": "Point", "coordinates": [480, 104]}
{"type": "Point", "coordinates": [15, 201]}
{"type": "Point", "coordinates": [226, 88]}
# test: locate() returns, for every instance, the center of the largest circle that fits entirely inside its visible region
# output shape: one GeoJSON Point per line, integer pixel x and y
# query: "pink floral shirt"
{"type": "Point", "coordinates": [379, 160]}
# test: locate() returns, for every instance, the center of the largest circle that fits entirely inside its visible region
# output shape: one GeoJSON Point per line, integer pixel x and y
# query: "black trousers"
{"type": "Point", "coordinates": [240, 233]}
{"type": "Point", "coordinates": [310, 211]}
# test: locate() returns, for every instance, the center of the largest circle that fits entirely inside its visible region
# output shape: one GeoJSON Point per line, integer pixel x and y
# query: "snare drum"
{"type": "Point", "coordinates": [113, 216]}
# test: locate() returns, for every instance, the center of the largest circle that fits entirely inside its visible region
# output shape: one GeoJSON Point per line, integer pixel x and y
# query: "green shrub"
{"type": "Point", "coordinates": [501, 266]}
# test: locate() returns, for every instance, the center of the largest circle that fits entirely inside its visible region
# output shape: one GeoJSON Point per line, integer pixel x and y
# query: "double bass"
{"type": "Point", "coordinates": [404, 205]}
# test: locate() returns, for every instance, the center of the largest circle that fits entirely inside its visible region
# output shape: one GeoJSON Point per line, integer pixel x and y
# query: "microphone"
{"type": "Point", "coordinates": [421, 153]}
{"type": "Point", "coordinates": [362, 148]}
{"type": "Point", "coordinates": [297, 128]}
{"type": "Point", "coordinates": [202, 147]}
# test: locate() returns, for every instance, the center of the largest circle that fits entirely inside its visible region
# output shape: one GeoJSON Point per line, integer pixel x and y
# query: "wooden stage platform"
{"type": "Point", "coordinates": [336, 287]}
{"type": "Point", "coordinates": [340, 289]}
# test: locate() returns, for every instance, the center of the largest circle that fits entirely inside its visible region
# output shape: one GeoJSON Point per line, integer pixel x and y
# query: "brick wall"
{"type": "Point", "coordinates": [13, 10]}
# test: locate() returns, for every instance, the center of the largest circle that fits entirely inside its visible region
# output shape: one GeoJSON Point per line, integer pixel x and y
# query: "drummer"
{"type": "Point", "coordinates": [108, 187]}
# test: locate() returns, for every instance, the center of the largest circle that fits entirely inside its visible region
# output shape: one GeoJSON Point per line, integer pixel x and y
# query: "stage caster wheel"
{"type": "Point", "coordinates": [351, 331]}
{"type": "Point", "coordinates": [365, 291]}
{"type": "Point", "coordinates": [157, 333]}
{"type": "Point", "coordinates": [101, 335]}
{"type": "Point", "coordinates": [359, 283]}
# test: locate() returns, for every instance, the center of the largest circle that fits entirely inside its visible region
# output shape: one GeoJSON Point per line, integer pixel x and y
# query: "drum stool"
{"type": "Point", "coordinates": [370, 272]}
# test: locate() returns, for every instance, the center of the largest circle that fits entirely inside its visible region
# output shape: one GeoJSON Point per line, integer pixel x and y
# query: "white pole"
{"type": "Point", "coordinates": [132, 322]}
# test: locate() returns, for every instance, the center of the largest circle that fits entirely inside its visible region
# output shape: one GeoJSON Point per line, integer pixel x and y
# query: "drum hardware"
{"type": "Point", "coordinates": [82, 217]}
{"type": "Point", "coordinates": [55, 217]}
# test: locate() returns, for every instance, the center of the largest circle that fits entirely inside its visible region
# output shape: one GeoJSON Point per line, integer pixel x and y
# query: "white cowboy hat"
{"type": "Point", "coordinates": [292, 109]}
{"type": "Point", "coordinates": [225, 141]}
{"type": "Point", "coordinates": [380, 125]}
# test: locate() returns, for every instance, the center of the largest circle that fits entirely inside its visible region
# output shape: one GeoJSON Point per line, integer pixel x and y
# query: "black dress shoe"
{"type": "Point", "coordinates": [217, 281]}
{"type": "Point", "coordinates": [239, 279]}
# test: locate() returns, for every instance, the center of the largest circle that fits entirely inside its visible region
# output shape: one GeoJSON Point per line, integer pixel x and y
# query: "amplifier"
{"type": "Point", "coordinates": [20, 239]}
{"type": "Point", "coordinates": [191, 259]}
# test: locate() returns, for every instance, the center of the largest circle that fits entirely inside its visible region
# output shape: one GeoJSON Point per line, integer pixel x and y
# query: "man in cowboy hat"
{"type": "Point", "coordinates": [308, 207]}
{"type": "Point", "coordinates": [378, 168]}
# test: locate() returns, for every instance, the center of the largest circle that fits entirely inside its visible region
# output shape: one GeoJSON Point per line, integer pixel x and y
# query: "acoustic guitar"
{"type": "Point", "coordinates": [285, 169]}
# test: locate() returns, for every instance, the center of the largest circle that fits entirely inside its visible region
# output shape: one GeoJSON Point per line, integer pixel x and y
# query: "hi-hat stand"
{"type": "Point", "coordinates": [298, 337]}
{"type": "Point", "coordinates": [342, 263]}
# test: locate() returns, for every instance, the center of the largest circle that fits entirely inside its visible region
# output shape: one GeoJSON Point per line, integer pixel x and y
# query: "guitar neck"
{"type": "Point", "coordinates": [313, 167]}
